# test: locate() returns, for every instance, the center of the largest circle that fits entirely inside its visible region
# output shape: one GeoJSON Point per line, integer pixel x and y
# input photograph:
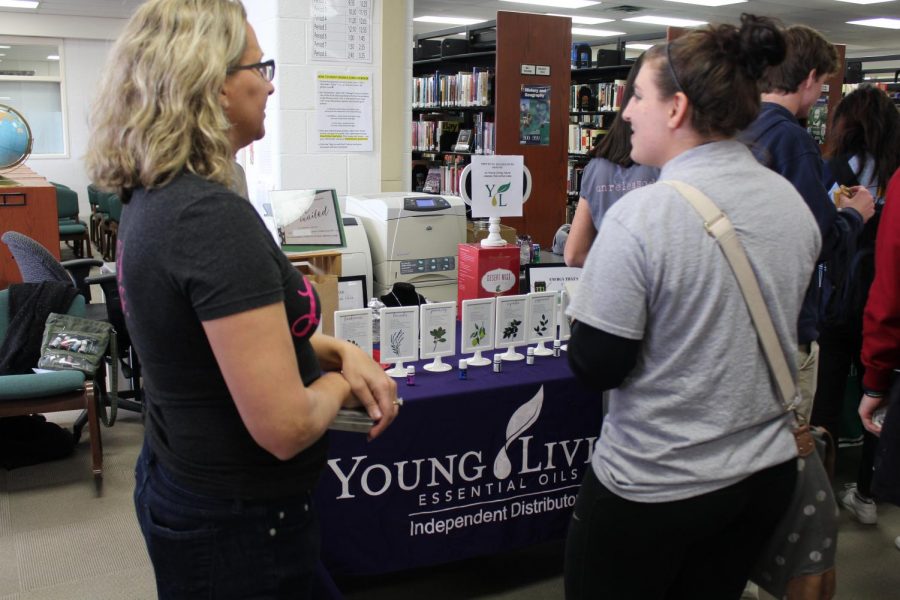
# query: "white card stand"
{"type": "Point", "coordinates": [477, 360]}
{"type": "Point", "coordinates": [398, 370]}
{"type": "Point", "coordinates": [542, 350]}
{"type": "Point", "coordinates": [512, 355]}
{"type": "Point", "coordinates": [388, 319]}
{"type": "Point", "coordinates": [437, 366]}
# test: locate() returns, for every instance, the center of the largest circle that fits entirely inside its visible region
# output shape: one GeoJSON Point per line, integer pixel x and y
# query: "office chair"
{"type": "Point", "coordinates": [36, 264]}
{"type": "Point", "coordinates": [22, 395]}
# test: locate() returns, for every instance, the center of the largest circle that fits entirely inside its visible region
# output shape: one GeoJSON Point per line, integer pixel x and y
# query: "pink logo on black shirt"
{"type": "Point", "coordinates": [304, 324]}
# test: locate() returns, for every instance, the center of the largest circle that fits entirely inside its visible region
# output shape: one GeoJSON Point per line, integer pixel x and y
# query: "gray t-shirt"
{"type": "Point", "coordinates": [604, 182]}
{"type": "Point", "coordinates": [699, 411]}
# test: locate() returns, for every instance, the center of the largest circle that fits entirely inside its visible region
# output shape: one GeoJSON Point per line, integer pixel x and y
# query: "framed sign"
{"type": "Point", "coordinates": [477, 325]}
{"type": "Point", "coordinates": [352, 292]}
{"type": "Point", "coordinates": [399, 333]}
{"type": "Point", "coordinates": [511, 322]}
{"type": "Point", "coordinates": [550, 277]}
{"type": "Point", "coordinates": [355, 326]}
{"type": "Point", "coordinates": [437, 329]}
{"type": "Point", "coordinates": [542, 309]}
{"type": "Point", "coordinates": [319, 227]}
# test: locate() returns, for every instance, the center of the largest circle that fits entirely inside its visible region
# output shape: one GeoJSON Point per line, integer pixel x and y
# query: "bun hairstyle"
{"type": "Point", "coordinates": [719, 68]}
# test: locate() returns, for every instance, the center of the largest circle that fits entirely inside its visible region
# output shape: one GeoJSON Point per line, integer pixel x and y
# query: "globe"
{"type": "Point", "coordinates": [15, 137]}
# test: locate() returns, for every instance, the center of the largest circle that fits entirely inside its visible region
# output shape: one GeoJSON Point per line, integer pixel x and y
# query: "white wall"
{"type": "Point", "coordinates": [287, 157]}
{"type": "Point", "coordinates": [83, 60]}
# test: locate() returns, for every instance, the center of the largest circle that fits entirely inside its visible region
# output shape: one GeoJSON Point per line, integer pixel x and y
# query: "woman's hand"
{"type": "Point", "coordinates": [867, 407]}
{"type": "Point", "coordinates": [370, 387]}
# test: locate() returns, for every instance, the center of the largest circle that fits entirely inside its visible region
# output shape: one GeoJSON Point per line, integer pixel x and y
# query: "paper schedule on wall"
{"type": "Point", "coordinates": [341, 31]}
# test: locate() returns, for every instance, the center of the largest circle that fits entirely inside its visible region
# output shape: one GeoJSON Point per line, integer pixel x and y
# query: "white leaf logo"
{"type": "Point", "coordinates": [498, 281]}
{"type": "Point", "coordinates": [521, 420]}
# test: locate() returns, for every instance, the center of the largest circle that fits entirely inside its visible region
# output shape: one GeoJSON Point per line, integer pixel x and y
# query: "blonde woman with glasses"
{"type": "Point", "coordinates": [239, 388]}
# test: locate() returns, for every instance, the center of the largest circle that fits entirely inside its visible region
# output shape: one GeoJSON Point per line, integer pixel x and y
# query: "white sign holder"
{"type": "Point", "coordinates": [399, 337]}
{"type": "Point", "coordinates": [491, 174]}
{"type": "Point", "coordinates": [511, 325]}
{"type": "Point", "coordinates": [542, 309]}
{"type": "Point", "coordinates": [477, 332]}
{"type": "Point", "coordinates": [437, 334]}
{"type": "Point", "coordinates": [354, 326]}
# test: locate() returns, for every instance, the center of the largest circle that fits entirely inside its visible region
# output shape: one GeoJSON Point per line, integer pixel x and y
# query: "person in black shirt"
{"type": "Point", "coordinates": [239, 388]}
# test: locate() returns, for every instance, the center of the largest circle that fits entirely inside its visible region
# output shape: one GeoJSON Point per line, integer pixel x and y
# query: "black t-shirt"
{"type": "Point", "coordinates": [193, 251]}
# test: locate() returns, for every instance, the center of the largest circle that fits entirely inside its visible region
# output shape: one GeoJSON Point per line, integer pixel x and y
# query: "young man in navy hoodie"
{"type": "Point", "coordinates": [779, 141]}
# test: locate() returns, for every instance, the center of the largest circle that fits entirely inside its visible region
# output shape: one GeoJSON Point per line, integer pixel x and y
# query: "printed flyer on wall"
{"type": "Point", "coordinates": [534, 115]}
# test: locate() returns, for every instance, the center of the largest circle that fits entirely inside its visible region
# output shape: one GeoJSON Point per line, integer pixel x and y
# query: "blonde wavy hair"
{"type": "Point", "coordinates": [157, 112]}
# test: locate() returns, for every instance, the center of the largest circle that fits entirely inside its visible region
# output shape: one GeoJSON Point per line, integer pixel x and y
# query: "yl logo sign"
{"type": "Point", "coordinates": [521, 420]}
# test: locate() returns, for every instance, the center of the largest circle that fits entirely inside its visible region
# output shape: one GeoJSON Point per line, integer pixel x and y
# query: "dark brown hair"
{"type": "Point", "coordinates": [807, 50]}
{"type": "Point", "coordinates": [616, 144]}
{"type": "Point", "coordinates": [718, 69]}
{"type": "Point", "coordinates": [867, 123]}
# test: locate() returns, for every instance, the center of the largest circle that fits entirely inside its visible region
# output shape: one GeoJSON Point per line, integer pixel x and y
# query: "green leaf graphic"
{"type": "Point", "coordinates": [503, 188]}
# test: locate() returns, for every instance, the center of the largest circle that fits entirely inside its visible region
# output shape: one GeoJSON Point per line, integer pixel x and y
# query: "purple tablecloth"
{"type": "Point", "coordinates": [469, 468]}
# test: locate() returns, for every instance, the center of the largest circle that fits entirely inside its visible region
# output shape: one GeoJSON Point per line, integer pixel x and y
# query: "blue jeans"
{"type": "Point", "coordinates": [206, 547]}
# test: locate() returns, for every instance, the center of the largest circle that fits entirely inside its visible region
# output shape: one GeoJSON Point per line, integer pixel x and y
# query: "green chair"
{"type": "Point", "coordinates": [109, 229]}
{"type": "Point", "coordinates": [99, 202]}
{"type": "Point", "coordinates": [51, 392]}
{"type": "Point", "coordinates": [71, 228]}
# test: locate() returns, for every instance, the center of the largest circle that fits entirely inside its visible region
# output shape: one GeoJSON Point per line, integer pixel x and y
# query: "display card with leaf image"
{"type": "Point", "coordinates": [512, 321]}
{"type": "Point", "coordinates": [477, 325]}
{"type": "Point", "coordinates": [542, 307]}
{"type": "Point", "coordinates": [437, 327]}
{"type": "Point", "coordinates": [355, 326]}
{"type": "Point", "coordinates": [399, 334]}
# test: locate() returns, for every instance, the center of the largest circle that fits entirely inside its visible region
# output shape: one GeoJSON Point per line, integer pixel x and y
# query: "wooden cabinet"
{"type": "Point", "coordinates": [29, 207]}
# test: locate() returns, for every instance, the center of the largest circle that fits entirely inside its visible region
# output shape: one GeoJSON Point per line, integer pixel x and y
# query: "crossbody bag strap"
{"type": "Point", "coordinates": [719, 227]}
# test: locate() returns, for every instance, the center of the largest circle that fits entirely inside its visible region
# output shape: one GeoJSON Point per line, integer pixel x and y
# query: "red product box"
{"type": "Point", "coordinates": [487, 271]}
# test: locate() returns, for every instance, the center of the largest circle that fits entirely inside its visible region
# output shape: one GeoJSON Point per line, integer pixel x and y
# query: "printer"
{"type": "Point", "coordinates": [356, 258]}
{"type": "Point", "coordinates": [413, 238]}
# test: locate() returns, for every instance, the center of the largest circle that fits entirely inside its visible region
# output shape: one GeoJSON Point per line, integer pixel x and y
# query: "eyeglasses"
{"type": "Point", "coordinates": [265, 69]}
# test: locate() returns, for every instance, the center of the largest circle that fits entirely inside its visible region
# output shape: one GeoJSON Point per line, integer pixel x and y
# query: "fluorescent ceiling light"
{"type": "Point", "coordinates": [53, 57]}
{"type": "Point", "coordinates": [865, 1]}
{"type": "Point", "coordinates": [5, 47]}
{"type": "Point", "coordinates": [19, 3]}
{"type": "Point", "coordinates": [449, 20]}
{"type": "Point", "coordinates": [883, 23]}
{"type": "Point", "coordinates": [638, 46]}
{"type": "Point", "coordinates": [716, 2]}
{"type": "Point", "coordinates": [556, 3]}
{"type": "Point", "coordinates": [584, 20]}
{"type": "Point", "coordinates": [595, 32]}
{"type": "Point", "coordinates": [665, 21]}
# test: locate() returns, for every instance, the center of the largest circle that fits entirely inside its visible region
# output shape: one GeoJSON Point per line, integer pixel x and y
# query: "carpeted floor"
{"type": "Point", "coordinates": [63, 538]}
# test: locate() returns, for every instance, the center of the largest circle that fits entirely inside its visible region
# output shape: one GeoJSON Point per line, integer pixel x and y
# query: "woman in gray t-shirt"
{"type": "Point", "coordinates": [609, 175]}
{"type": "Point", "coordinates": [695, 464]}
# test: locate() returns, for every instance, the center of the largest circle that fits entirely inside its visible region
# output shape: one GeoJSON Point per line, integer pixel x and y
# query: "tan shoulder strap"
{"type": "Point", "coordinates": [719, 226]}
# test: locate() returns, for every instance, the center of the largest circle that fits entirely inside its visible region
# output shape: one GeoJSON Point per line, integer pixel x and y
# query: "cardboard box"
{"type": "Point", "coordinates": [475, 232]}
{"type": "Point", "coordinates": [322, 269]}
{"type": "Point", "coordinates": [486, 272]}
